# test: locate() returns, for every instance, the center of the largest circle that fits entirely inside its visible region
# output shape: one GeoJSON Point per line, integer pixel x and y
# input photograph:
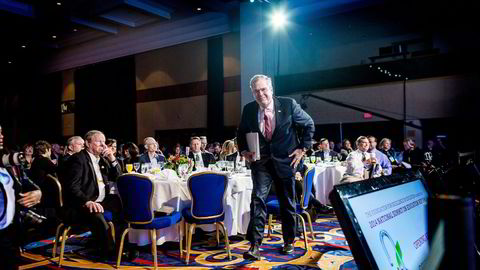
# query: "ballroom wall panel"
{"type": "Point", "coordinates": [179, 113]}
{"type": "Point", "coordinates": [184, 63]}
{"type": "Point", "coordinates": [181, 71]}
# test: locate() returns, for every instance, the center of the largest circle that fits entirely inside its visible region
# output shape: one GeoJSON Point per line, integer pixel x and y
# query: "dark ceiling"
{"type": "Point", "coordinates": [34, 29]}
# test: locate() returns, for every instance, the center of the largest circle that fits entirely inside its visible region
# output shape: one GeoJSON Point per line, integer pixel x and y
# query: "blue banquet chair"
{"type": "Point", "coordinates": [207, 190]}
{"type": "Point", "coordinates": [273, 206]}
{"type": "Point", "coordinates": [136, 192]}
{"type": "Point", "coordinates": [57, 200]}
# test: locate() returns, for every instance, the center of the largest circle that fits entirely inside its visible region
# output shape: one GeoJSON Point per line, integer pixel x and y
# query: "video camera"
{"type": "Point", "coordinates": [26, 215]}
{"type": "Point", "coordinates": [13, 159]}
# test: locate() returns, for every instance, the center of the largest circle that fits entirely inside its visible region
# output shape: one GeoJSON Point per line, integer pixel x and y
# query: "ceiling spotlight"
{"type": "Point", "coordinates": [59, 3]}
{"type": "Point", "coordinates": [54, 36]}
{"type": "Point", "coordinates": [9, 62]}
{"type": "Point", "coordinates": [199, 9]}
{"type": "Point", "coordinates": [251, 1]}
{"type": "Point", "coordinates": [24, 46]}
{"type": "Point", "coordinates": [378, 68]}
{"type": "Point", "coordinates": [406, 78]}
{"type": "Point", "coordinates": [370, 66]}
{"type": "Point", "coordinates": [75, 30]}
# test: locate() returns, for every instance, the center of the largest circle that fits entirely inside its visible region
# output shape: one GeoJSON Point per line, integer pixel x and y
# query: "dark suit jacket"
{"type": "Point", "coordinates": [207, 158]}
{"type": "Point", "coordinates": [289, 117]}
{"type": "Point", "coordinates": [80, 182]}
{"type": "Point", "coordinates": [321, 154]}
{"type": "Point", "coordinates": [144, 158]}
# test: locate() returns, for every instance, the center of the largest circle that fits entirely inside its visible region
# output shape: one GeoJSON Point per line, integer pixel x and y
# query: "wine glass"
{"type": "Point", "coordinates": [144, 168]}
{"type": "Point", "coordinates": [136, 166]}
{"type": "Point", "coordinates": [230, 166]}
{"type": "Point", "coordinates": [161, 164]}
{"type": "Point", "coordinates": [129, 167]}
{"type": "Point", "coordinates": [313, 159]}
{"type": "Point", "coordinates": [182, 170]}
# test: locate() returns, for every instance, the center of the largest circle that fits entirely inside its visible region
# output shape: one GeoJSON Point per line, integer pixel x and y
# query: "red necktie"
{"type": "Point", "coordinates": [268, 124]}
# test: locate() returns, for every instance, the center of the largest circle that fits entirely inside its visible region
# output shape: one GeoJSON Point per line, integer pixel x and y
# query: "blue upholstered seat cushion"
{"type": "Point", "coordinates": [273, 207]}
{"type": "Point", "coordinates": [187, 215]}
{"type": "Point", "coordinates": [108, 216]}
{"type": "Point", "coordinates": [160, 222]}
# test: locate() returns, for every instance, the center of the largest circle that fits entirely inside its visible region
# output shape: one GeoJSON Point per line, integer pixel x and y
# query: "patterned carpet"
{"type": "Point", "coordinates": [329, 251]}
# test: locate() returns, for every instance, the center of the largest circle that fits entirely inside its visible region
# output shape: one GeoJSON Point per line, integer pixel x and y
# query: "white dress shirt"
{"type": "Point", "coordinates": [198, 160]}
{"type": "Point", "coordinates": [98, 174]}
{"type": "Point", "coordinates": [355, 165]}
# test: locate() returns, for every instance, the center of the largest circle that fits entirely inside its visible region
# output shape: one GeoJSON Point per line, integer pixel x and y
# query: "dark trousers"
{"type": "Point", "coordinates": [97, 224]}
{"type": "Point", "coordinates": [263, 175]}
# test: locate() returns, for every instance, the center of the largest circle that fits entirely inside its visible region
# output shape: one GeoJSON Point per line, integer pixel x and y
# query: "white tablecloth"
{"type": "Point", "coordinates": [174, 193]}
{"type": "Point", "coordinates": [326, 176]}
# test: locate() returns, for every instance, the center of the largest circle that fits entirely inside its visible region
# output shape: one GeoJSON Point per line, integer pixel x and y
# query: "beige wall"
{"type": "Point", "coordinates": [185, 63]}
{"type": "Point", "coordinates": [179, 64]}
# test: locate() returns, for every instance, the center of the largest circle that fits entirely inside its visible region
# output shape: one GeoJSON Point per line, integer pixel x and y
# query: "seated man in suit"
{"type": "Point", "coordinates": [151, 155]}
{"type": "Point", "coordinates": [325, 152]}
{"type": "Point", "coordinates": [86, 193]}
{"type": "Point", "coordinates": [200, 159]}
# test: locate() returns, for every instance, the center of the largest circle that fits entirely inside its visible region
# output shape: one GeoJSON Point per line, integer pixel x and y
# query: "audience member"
{"type": "Point", "coordinates": [325, 153]}
{"type": "Point", "coordinates": [42, 164]}
{"type": "Point", "coordinates": [346, 149]}
{"type": "Point", "coordinates": [56, 154]}
{"type": "Point", "coordinates": [87, 194]}
{"type": "Point", "coordinates": [228, 150]}
{"type": "Point", "coordinates": [359, 162]}
{"type": "Point", "coordinates": [381, 158]}
{"type": "Point", "coordinates": [75, 144]}
{"type": "Point", "coordinates": [385, 147]}
{"type": "Point", "coordinates": [130, 153]}
{"type": "Point", "coordinates": [200, 160]}
{"type": "Point", "coordinates": [217, 149]}
{"type": "Point", "coordinates": [28, 153]}
{"type": "Point", "coordinates": [411, 154]}
{"type": "Point", "coordinates": [203, 143]}
{"type": "Point", "coordinates": [210, 148]}
{"type": "Point", "coordinates": [151, 155]}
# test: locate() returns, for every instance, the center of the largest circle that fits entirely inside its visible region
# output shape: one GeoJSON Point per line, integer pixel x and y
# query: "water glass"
{"type": "Point", "coordinates": [144, 168]}
{"type": "Point", "coordinates": [161, 164]}
{"type": "Point", "coordinates": [313, 159]}
{"type": "Point", "coordinates": [230, 166]}
{"type": "Point", "coordinates": [136, 166]}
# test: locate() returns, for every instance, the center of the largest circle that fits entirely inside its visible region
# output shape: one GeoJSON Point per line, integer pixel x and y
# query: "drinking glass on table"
{"type": "Point", "coordinates": [144, 167]}
{"type": "Point", "coordinates": [136, 166]}
{"type": "Point", "coordinates": [230, 166]}
{"type": "Point", "coordinates": [161, 164]}
{"type": "Point", "coordinates": [129, 167]}
{"type": "Point", "coordinates": [183, 170]}
{"type": "Point", "coordinates": [313, 159]}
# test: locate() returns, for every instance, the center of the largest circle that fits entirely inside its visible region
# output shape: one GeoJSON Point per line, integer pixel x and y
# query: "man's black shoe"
{"type": "Point", "coordinates": [325, 209]}
{"type": "Point", "coordinates": [253, 254]}
{"type": "Point", "coordinates": [287, 248]}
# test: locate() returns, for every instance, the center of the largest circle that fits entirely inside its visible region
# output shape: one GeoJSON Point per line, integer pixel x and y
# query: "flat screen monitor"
{"type": "Point", "coordinates": [385, 220]}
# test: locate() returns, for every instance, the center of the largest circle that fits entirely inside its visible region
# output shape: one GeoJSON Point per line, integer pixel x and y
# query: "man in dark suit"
{"type": "Point", "coordinates": [86, 191]}
{"type": "Point", "coordinates": [326, 151]}
{"type": "Point", "coordinates": [200, 159]}
{"type": "Point", "coordinates": [275, 119]}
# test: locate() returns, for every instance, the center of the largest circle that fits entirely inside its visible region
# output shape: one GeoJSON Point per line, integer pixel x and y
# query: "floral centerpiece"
{"type": "Point", "coordinates": [174, 163]}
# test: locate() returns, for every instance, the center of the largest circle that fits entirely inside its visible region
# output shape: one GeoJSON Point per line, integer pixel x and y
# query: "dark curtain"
{"type": "Point", "coordinates": [215, 86]}
{"type": "Point", "coordinates": [105, 99]}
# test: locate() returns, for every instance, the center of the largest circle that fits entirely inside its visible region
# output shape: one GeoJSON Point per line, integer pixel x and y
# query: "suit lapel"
{"type": "Point", "coordinates": [279, 115]}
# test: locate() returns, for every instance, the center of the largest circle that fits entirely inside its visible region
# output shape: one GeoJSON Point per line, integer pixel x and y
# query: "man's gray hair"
{"type": "Point", "coordinates": [257, 77]}
{"type": "Point", "coordinates": [89, 135]}
{"type": "Point", "coordinates": [72, 139]}
{"type": "Point", "coordinates": [360, 138]}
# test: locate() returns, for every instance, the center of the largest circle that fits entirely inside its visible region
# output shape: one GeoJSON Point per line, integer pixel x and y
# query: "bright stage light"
{"type": "Point", "coordinates": [278, 19]}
